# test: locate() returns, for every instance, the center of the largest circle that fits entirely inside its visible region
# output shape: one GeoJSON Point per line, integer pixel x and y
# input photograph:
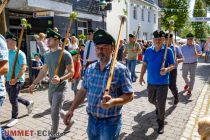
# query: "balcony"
{"type": "Point", "coordinates": [86, 6]}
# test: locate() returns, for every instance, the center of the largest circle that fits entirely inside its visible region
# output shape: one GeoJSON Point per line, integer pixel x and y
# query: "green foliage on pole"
{"type": "Point", "coordinates": [169, 10]}
{"type": "Point", "coordinates": [200, 28]}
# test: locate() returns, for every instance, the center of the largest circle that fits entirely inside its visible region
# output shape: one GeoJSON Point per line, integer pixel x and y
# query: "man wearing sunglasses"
{"type": "Point", "coordinates": [191, 52]}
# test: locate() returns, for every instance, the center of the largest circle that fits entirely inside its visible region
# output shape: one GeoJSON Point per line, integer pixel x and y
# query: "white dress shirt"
{"type": "Point", "coordinates": [92, 54]}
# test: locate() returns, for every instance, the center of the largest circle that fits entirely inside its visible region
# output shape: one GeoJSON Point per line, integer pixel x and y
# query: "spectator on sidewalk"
{"type": "Point", "coordinates": [73, 43]}
{"type": "Point", "coordinates": [14, 85]}
{"type": "Point", "coordinates": [207, 49]}
{"type": "Point", "coordinates": [41, 45]}
{"type": "Point", "coordinates": [77, 70]}
{"type": "Point", "coordinates": [3, 69]}
{"type": "Point", "coordinates": [120, 52]}
{"type": "Point", "coordinates": [58, 83]}
{"type": "Point", "coordinates": [36, 67]}
{"type": "Point", "coordinates": [204, 128]}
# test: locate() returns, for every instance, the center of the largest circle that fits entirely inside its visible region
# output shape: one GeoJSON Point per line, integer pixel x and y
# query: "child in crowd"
{"type": "Point", "coordinates": [77, 70]}
{"type": "Point", "coordinates": [204, 128]}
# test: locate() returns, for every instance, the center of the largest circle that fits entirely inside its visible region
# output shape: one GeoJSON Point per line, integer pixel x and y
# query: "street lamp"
{"type": "Point", "coordinates": [102, 5]}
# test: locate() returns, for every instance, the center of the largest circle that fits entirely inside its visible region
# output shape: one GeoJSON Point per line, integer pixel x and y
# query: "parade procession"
{"type": "Point", "coordinates": [104, 70]}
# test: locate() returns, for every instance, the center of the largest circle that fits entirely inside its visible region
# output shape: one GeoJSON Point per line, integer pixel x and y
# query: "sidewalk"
{"type": "Point", "coordinates": [200, 110]}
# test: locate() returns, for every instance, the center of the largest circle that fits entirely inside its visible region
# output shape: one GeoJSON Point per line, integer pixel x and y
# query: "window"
{"type": "Point", "coordinates": [148, 16]}
{"type": "Point", "coordinates": [154, 18]}
{"type": "Point", "coordinates": [134, 13]}
{"type": "Point", "coordinates": [142, 14]}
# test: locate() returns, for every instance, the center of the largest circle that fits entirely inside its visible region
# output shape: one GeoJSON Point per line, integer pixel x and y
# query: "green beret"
{"type": "Point", "coordinates": [190, 35]}
{"type": "Point", "coordinates": [131, 35]}
{"type": "Point", "coordinates": [73, 52]}
{"type": "Point", "coordinates": [102, 37]}
{"type": "Point", "coordinates": [52, 33]}
{"type": "Point", "coordinates": [158, 34]}
{"type": "Point", "coordinates": [166, 35]}
{"type": "Point", "coordinates": [37, 54]}
{"type": "Point", "coordinates": [10, 35]}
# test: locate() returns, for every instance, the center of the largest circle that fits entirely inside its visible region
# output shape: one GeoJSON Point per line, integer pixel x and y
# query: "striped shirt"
{"type": "Point", "coordinates": [95, 84]}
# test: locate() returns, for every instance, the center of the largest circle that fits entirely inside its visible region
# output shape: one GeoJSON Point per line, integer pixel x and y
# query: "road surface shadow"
{"type": "Point", "coordinates": [146, 129]}
{"type": "Point", "coordinates": [140, 94]}
{"type": "Point", "coordinates": [185, 99]}
{"type": "Point", "coordinates": [66, 106]}
{"type": "Point", "coordinates": [4, 122]}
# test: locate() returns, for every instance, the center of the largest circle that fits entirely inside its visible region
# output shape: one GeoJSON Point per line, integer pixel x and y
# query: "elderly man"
{"type": "Point", "coordinates": [191, 52]}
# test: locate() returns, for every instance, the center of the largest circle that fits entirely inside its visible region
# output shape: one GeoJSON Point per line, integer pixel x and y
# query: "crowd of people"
{"type": "Point", "coordinates": [90, 63]}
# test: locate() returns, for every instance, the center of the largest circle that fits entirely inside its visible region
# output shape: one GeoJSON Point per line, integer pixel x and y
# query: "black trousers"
{"type": "Point", "coordinates": [13, 91]}
{"type": "Point", "coordinates": [157, 95]}
{"type": "Point", "coordinates": [172, 83]}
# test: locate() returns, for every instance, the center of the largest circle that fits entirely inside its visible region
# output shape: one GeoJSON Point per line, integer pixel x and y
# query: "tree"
{"type": "Point", "coordinates": [177, 8]}
{"type": "Point", "coordinates": [200, 28]}
{"type": "Point", "coordinates": [186, 29]}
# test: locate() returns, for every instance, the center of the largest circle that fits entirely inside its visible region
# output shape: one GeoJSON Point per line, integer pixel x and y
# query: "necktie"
{"type": "Point", "coordinates": [88, 51]}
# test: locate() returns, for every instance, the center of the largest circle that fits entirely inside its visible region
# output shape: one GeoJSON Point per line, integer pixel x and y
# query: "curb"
{"type": "Point", "coordinates": [200, 110]}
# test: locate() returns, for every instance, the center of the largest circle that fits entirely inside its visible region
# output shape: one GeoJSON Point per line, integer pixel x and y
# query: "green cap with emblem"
{"type": "Point", "coordinates": [131, 35]}
{"type": "Point", "coordinates": [103, 37]}
{"type": "Point", "coordinates": [158, 34]}
{"type": "Point", "coordinates": [73, 52]}
{"type": "Point", "coordinates": [190, 35]}
{"type": "Point", "coordinates": [10, 35]}
{"type": "Point", "coordinates": [52, 33]}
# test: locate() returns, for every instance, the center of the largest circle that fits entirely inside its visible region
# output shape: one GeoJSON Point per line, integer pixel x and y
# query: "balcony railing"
{"type": "Point", "coordinates": [64, 1]}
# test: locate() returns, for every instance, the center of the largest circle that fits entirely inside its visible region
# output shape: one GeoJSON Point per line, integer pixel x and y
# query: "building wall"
{"type": "Point", "coordinates": [146, 29]}
{"type": "Point", "coordinates": [147, 26]}
{"type": "Point", "coordinates": [113, 20]}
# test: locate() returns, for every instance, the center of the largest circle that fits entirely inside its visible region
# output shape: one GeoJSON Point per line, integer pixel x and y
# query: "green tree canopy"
{"type": "Point", "coordinates": [175, 8]}
{"type": "Point", "coordinates": [200, 28]}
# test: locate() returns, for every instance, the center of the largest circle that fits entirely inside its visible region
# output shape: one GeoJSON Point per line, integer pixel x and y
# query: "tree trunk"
{"type": "Point", "coordinates": [175, 35]}
{"type": "Point", "coordinates": [3, 26]}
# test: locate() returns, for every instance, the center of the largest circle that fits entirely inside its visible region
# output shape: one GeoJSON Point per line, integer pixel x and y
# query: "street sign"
{"type": "Point", "coordinates": [43, 14]}
{"type": "Point", "coordinates": [200, 19]}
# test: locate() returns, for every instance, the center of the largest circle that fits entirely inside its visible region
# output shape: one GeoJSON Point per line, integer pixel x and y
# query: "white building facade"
{"type": "Point", "coordinates": [139, 12]}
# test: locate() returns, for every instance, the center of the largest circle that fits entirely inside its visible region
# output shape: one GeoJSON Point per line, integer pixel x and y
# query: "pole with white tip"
{"type": "Point", "coordinates": [114, 58]}
{"type": "Point", "coordinates": [171, 23]}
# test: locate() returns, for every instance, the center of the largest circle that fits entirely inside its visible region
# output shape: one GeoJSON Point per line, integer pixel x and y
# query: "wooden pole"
{"type": "Point", "coordinates": [3, 5]}
{"type": "Point", "coordinates": [63, 47]}
{"type": "Point", "coordinates": [17, 52]}
{"type": "Point", "coordinates": [114, 58]}
{"type": "Point", "coordinates": [167, 43]}
{"type": "Point", "coordinates": [3, 26]}
{"type": "Point", "coordinates": [136, 36]}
